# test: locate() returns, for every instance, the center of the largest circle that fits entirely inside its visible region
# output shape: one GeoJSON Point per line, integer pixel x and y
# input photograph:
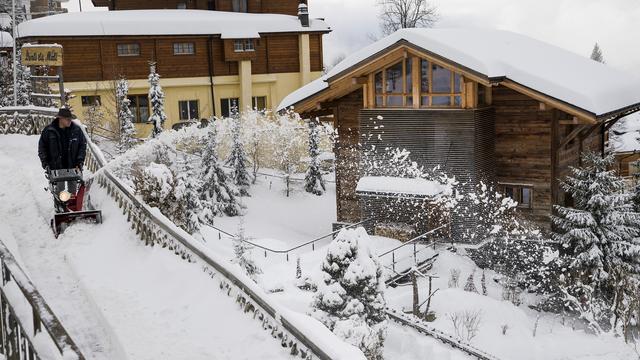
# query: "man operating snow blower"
{"type": "Point", "coordinates": [62, 149]}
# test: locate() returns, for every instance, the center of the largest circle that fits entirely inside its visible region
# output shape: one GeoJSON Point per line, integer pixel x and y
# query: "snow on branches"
{"type": "Point", "coordinates": [237, 159]}
{"type": "Point", "coordinates": [125, 117]}
{"type": "Point", "coordinates": [156, 97]}
{"type": "Point", "coordinates": [600, 240]}
{"type": "Point", "coordinates": [313, 179]}
{"type": "Point", "coordinates": [218, 196]}
{"type": "Point", "coordinates": [350, 298]}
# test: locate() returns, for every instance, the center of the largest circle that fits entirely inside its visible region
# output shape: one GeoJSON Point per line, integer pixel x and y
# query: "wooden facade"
{"type": "Point", "coordinates": [492, 132]}
{"type": "Point", "coordinates": [287, 7]}
{"type": "Point", "coordinates": [96, 58]}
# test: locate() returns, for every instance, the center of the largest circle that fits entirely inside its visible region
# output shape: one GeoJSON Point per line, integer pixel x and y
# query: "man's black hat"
{"type": "Point", "coordinates": [65, 113]}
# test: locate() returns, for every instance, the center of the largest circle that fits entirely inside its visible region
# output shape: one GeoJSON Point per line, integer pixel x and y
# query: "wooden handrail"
{"type": "Point", "coordinates": [42, 313]}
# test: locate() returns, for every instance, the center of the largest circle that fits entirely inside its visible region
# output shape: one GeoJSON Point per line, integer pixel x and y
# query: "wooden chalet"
{"type": "Point", "coordinates": [209, 61]}
{"type": "Point", "coordinates": [288, 7]}
{"type": "Point", "coordinates": [484, 105]}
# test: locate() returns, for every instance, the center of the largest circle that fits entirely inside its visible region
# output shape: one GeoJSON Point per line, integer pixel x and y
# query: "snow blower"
{"type": "Point", "coordinates": [70, 199]}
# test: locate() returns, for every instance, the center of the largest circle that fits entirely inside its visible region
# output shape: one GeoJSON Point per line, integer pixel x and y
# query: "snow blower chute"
{"type": "Point", "coordinates": [70, 198]}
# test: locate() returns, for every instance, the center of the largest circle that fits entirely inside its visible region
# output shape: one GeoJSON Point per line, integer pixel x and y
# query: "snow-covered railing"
{"type": "Point", "coordinates": [292, 330]}
{"type": "Point", "coordinates": [24, 315]}
{"type": "Point", "coordinates": [311, 243]}
{"type": "Point", "coordinates": [422, 327]}
{"type": "Point", "coordinates": [26, 120]}
{"type": "Point", "coordinates": [413, 243]}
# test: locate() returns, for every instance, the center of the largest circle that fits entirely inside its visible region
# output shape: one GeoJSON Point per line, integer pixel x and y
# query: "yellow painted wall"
{"type": "Point", "coordinates": [274, 86]}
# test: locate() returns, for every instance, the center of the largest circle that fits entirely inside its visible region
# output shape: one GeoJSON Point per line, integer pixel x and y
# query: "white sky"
{"type": "Point", "coordinates": [572, 24]}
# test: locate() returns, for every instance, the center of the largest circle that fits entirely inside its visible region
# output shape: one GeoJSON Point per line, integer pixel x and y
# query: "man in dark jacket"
{"type": "Point", "coordinates": [62, 144]}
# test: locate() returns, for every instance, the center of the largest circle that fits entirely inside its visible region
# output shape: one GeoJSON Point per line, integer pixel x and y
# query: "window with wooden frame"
{"type": "Point", "coordinates": [184, 48]}
{"type": "Point", "coordinates": [239, 5]}
{"type": "Point", "coordinates": [132, 49]}
{"type": "Point", "coordinates": [91, 100]}
{"type": "Point", "coordinates": [438, 87]}
{"type": "Point", "coordinates": [522, 194]}
{"type": "Point", "coordinates": [393, 85]}
{"type": "Point", "coordinates": [259, 103]}
{"type": "Point", "coordinates": [243, 45]}
{"type": "Point", "coordinates": [139, 105]}
{"type": "Point", "coordinates": [188, 109]}
{"type": "Point", "coordinates": [229, 106]}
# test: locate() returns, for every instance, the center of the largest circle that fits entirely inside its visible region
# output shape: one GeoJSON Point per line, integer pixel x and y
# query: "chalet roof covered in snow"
{"type": "Point", "coordinates": [389, 185]}
{"type": "Point", "coordinates": [497, 55]}
{"type": "Point", "coordinates": [229, 25]}
{"type": "Point", "coordinates": [6, 40]}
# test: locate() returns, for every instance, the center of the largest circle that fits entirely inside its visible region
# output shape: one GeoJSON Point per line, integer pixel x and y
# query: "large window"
{"type": "Point", "coordinates": [132, 49]}
{"type": "Point", "coordinates": [438, 87]}
{"type": "Point", "coordinates": [229, 106]}
{"type": "Point", "coordinates": [186, 48]}
{"type": "Point", "coordinates": [139, 105]}
{"type": "Point", "coordinates": [188, 110]}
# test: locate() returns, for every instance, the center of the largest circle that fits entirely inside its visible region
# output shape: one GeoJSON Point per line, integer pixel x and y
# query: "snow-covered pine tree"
{"type": "Point", "coordinates": [218, 196]}
{"type": "Point", "coordinates": [470, 286]}
{"type": "Point", "coordinates": [188, 188]}
{"type": "Point", "coordinates": [156, 184]}
{"type": "Point", "coordinates": [23, 79]}
{"type": "Point", "coordinates": [6, 83]}
{"type": "Point", "coordinates": [600, 237]}
{"type": "Point", "coordinates": [636, 188]}
{"type": "Point", "coordinates": [125, 117]}
{"type": "Point", "coordinates": [156, 97]}
{"type": "Point", "coordinates": [241, 251]}
{"type": "Point", "coordinates": [350, 300]}
{"type": "Point", "coordinates": [596, 54]}
{"type": "Point", "coordinates": [313, 182]}
{"type": "Point", "coordinates": [237, 159]}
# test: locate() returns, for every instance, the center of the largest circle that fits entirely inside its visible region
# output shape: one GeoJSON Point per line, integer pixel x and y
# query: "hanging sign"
{"type": "Point", "coordinates": [42, 55]}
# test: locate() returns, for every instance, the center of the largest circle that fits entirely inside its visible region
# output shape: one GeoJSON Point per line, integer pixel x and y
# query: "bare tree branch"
{"type": "Point", "coordinates": [400, 14]}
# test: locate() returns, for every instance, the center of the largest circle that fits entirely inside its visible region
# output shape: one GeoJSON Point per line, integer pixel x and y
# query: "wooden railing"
{"type": "Point", "coordinates": [28, 120]}
{"type": "Point", "coordinates": [154, 229]}
{"type": "Point", "coordinates": [24, 315]}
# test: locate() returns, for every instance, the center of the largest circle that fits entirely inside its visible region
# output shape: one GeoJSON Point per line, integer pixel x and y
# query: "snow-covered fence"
{"type": "Point", "coordinates": [24, 315]}
{"type": "Point", "coordinates": [304, 340]}
{"type": "Point", "coordinates": [287, 252]}
{"type": "Point", "coordinates": [26, 120]}
{"type": "Point", "coordinates": [423, 328]}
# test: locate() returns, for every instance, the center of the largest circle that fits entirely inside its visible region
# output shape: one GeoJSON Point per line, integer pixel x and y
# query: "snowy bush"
{"type": "Point", "coordinates": [350, 300]}
{"type": "Point", "coordinates": [454, 278]}
{"type": "Point", "coordinates": [156, 184]}
{"type": "Point", "coordinates": [188, 185]}
{"type": "Point", "coordinates": [466, 324]}
{"type": "Point", "coordinates": [242, 253]}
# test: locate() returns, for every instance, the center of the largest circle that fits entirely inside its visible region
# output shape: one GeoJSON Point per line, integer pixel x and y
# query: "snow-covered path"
{"type": "Point", "coordinates": [117, 298]}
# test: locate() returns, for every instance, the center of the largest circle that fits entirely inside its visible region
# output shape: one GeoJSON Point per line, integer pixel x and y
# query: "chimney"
{"type": "Point", "coordinates": [303, 14]}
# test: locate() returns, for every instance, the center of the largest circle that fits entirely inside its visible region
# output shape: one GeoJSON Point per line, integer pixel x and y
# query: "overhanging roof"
{"type": "Point", "coordinates": [229, 25]}
{"type": "Point", "coordinates": [503, 57]}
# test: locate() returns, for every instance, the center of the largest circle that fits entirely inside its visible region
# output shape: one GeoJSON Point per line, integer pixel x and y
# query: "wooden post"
{"type": "Point", "coordinates": [416, 81]}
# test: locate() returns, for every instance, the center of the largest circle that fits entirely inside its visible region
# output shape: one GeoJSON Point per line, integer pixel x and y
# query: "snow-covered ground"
{"type": "Point", "coordinates": [117, 298]}
{"type": "Point", "coordinates": [280, 223]}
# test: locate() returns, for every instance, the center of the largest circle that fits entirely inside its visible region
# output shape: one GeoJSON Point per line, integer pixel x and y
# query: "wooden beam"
{"type": "Point", "coordinates": [586, 116]}
{"type": "Point", "coordinates": [416, 81]}
{"type": "Point", "coordinates": [572, 135]}
{"type": "Point", "coordinates": [543, 106]}
{"type": "Point", "coordinates": [360, 80]}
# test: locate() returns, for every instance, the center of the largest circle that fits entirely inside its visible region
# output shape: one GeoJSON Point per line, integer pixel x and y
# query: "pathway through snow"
{"type": "Point", "coordinates": [117, 298]}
